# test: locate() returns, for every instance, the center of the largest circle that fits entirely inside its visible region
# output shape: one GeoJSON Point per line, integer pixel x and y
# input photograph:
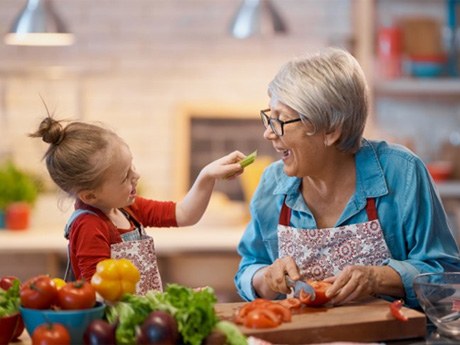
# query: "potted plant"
{"type": "Point", "coordinates": [18, 193]}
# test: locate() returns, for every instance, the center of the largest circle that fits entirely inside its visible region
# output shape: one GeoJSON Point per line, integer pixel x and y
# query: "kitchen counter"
{"type": "Point", "coordinates": [167, 240]}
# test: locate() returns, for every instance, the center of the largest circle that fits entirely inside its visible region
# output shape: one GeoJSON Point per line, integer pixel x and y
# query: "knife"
{"type": "Point", "coordinates": [298, 285]}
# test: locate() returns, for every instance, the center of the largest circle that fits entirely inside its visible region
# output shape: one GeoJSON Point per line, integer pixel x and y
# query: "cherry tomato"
{"type": "Point", "coordinates": [320, 288]}
{"type": "Point", "coordinates": [77, 295]}
{"type": "Point", "coordinates": [38, 293]}
{"type": "Point", "coordinates": [291, 303]}
{"type": "Point", "coordinates": [51, 334]}
{"type": "Point", "coordinates": [7, 281]}
{"type": "Point", "coordinates": [261, 318]}
{"type": "Point", "coordinates": [395, 309]}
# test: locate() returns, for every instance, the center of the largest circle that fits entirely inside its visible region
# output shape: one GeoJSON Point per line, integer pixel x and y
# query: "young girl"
{"type": "Point", "coordinates": [95, 166]}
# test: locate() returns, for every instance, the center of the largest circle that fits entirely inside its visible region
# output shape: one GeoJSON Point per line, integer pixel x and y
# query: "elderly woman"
{"type": "Point", "coordinates": [363, 215]}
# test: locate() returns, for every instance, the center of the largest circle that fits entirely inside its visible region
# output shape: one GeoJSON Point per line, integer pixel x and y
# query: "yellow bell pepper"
{"type": "Point", "coordinates": [114, 278]}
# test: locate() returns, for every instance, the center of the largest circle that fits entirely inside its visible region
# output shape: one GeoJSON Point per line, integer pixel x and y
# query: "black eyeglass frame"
{"type": "Point", "coordinates": [267, 121]}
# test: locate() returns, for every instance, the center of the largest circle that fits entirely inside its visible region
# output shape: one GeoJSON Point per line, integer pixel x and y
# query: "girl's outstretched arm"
{"type": "Point", "coordinates": [190, 210]}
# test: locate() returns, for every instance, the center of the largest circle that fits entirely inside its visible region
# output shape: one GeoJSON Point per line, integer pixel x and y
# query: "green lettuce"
{"type": "Point", "coordinates": [192, 309]}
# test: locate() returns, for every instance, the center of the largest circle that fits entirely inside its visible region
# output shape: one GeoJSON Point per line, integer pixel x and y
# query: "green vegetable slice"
{"type": "Point", "coordinates": [249, 159]}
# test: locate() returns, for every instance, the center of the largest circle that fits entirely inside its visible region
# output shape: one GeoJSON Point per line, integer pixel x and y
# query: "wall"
{"type": "Point", "coordinates": [139, 64]}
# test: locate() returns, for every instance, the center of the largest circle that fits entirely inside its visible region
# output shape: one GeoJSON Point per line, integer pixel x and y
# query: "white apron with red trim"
{"type": "Point", "coordinates": [321, 253]}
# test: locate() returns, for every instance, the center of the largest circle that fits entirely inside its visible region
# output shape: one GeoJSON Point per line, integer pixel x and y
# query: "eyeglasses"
{"type": "Point", "coordinates": [276, 125]}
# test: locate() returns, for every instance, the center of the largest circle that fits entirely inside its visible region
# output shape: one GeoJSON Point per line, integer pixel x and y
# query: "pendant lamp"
{"type": "Point", "coordinates": [257, 17]}
{"type": "Point", "coordinates": [38, 24]}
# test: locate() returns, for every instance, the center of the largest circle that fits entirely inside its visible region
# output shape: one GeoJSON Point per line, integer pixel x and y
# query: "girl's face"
{"type": "Point", "coordinates": [120, 181]}
{"type": "Point", "coordinates": [300, 152]}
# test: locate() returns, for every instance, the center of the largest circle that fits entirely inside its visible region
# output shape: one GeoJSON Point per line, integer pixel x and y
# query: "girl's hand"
{"type": "Point", "coordinates": [225, 167]}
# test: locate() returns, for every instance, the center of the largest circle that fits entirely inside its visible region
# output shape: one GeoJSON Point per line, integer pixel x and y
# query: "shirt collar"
{"type": "Point", "coordinates": [370, 179]}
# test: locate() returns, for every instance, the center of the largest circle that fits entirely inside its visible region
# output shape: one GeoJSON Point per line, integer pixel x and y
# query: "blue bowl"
{"type": "Point", "coordinates": [426, 69]}
{"type": "Point", "coordinates": [75, 321]}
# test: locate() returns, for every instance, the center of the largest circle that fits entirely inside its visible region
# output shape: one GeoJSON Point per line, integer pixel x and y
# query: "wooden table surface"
{"type": "Point", "coordinates": [367, 321]}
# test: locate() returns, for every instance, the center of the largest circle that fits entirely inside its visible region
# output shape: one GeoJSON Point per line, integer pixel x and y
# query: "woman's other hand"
{"type": "Point", "coordinates": [355, 282]}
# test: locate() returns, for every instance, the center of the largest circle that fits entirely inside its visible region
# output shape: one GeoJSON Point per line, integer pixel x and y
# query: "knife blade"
{"type": "Point", "coordinates": [298, 285]}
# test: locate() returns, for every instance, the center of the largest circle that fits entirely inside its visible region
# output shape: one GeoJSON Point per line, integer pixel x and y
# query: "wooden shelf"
{"type": "Point", "coordinates": [449, 189]}
{"type": "Point", "coordinates": [419, 86]}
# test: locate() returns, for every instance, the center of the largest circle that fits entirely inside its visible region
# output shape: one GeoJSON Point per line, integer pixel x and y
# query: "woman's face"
{"type": "Point", "coordinates": [301, 153]}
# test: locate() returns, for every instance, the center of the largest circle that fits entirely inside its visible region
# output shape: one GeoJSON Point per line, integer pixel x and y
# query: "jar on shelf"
{"type": "Point", "coordinates": [389, 52]}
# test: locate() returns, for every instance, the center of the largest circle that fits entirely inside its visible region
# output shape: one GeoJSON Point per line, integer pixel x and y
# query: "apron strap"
{"type": "Point", "coordinates": [371, 210]}
{"type": "Point", "coordinates": [285, 214]}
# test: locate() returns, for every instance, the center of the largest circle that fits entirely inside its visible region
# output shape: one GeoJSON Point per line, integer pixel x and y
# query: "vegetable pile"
{"type": "Point", "coordinates": [192, 314]}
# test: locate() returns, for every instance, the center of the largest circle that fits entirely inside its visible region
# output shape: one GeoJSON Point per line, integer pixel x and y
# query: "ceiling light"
{"type": "Point", "coordinates": [257, 17]}
{"type": "Point", "coordinates": [38, 25]}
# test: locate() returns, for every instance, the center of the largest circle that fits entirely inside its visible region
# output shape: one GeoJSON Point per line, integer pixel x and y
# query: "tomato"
{"type": "Point", "coordinates": [77, 295]}
{"type": "Point", "coordinates": [320, 288]}
{"type": "Point", "coordinates": [262, 313]}
{"type": "Point", "coordinates": [51, 334]}
{"type": "Point", "coordinates": [250, 306]}
{"type": "Point", "coordinates": [38, 293]}
{"type": "Point", "coordinates": [291, 303]}
{"type": "Point", "coordinates": [281, 311]}
{"type": "Point", "coordinates": [7, 281]}
{"type": "Point", "coordinates": [395, 309]}
{"type": "Point", "coordinates": [261, 318]}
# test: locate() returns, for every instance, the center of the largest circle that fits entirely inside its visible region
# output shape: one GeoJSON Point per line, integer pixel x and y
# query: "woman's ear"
{"type": "Point", "coordinates": [332, 137]}
{"type": "Point", "coordinates": [87, 196]}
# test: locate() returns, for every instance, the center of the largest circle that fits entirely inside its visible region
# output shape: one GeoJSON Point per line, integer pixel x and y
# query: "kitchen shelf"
{"type": "Point", "coordinates": [419, 86]}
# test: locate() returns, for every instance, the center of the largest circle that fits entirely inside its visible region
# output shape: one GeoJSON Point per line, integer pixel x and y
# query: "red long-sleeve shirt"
{"type": "Point", "coordinates": [92, 234]}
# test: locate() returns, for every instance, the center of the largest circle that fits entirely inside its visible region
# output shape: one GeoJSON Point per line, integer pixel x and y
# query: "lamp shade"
{"type": "Point", "coordinates": [257, 17]}
{"type": "Point", "coordinates": [38, 25]}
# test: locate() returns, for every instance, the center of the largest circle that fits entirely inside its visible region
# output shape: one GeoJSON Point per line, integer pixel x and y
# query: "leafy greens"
{"type": "Point", "coordinates": [193, 310]}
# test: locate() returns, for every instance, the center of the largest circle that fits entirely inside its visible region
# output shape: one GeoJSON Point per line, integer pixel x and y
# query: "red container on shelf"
{"type": "Point", "coordinates": [389, 52]}
{"type": "Point", "coordinates": [17, 216]}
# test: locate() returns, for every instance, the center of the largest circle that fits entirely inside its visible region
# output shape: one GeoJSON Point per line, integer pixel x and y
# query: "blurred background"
{"type": "Point", "coordinates": [182, 81]}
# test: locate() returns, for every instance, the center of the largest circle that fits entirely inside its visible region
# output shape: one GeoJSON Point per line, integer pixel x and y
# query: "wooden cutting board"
{"type": "Point", "coordinates": [366, 321]}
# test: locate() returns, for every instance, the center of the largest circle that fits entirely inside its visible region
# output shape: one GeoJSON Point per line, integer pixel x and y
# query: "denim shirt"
{"type": "Point", "coordinates": [409, 208]}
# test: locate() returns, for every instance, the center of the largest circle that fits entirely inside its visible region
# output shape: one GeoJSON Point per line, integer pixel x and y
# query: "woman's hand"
{"type": "Point", "coordinates": [270, 281]}
{"type": "Point", "coordinates": [360, 281]}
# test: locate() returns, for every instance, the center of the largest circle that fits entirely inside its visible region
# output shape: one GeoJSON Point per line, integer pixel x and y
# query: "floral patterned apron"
{"type": "Point", "coordinates": [137, 247]}
{"type": "Point", "coordinates": [321, 253]}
